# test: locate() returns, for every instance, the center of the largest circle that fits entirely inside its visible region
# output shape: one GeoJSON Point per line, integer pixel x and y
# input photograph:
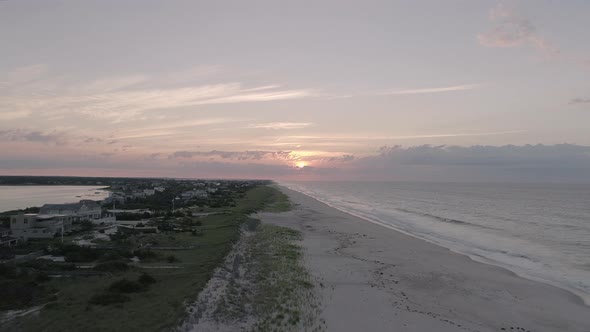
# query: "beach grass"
{"type": "Point", "coordinates": [284, 285]}
{"type": "Point", "coordinates": [265, 286]}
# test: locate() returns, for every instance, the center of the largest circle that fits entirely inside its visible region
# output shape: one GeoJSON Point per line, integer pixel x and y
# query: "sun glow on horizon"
{"type": "Point", "coordinates": [300, 164]}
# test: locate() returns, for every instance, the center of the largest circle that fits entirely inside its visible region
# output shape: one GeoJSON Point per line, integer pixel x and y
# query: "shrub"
{"type": "Point", "coordinates": [112, 266]}
{"type": "Point", "coordinates": [113, 255]}
{"type": "Point", "coordinates": [42, 277]}
{"type": "Point", "coordinates": [108, 298]}
{"type": "Point", "coordinates": [144, 254]}
{"type": "Point", "coordinates": [74, 253]}
{"type": "Point", "coordinates": [126, 286]}
{"type": "Point", "coordinates": [16, 294]}
{"type": "Point", "coordinates": [146, 279]}
{"type": "Point", "coordinates": [171, 259]}
{"type": "Point", "coordinates": [8, 271]}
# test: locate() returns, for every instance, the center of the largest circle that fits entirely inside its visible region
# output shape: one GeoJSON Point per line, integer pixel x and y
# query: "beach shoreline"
{"type": "Point", "coordinates": [584, 298]}
{"type": "Point", "coordinates": [377, 278]}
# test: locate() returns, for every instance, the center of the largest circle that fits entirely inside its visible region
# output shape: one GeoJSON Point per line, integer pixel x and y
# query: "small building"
{"type": "Point", "coordinates": [39, 226]}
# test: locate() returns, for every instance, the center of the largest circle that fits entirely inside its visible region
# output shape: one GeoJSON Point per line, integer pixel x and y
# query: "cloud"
{"type": "Point", "coordinates": [170, 128]}
{"type": "Point", "coordinates": [234, 155]}
{"type": "Point", "coordinates": [110, 84]}
{"type": "Point", "coordinates": [579, 101]}
{"type": "Point", "coordinates": [401, 137]}
{"type": "Point", "coordinates": [432, 90]}
{"type": "Point", "coordinates": [281, 125]}
{"type": "Point", "coordinates": [8, 115]}
{"type": "Point", "coordinates": [14, 135]}
{"type": "Point", "coordinates": [512, 30]}
{"type": "Point", "coordinates": [509, 163]}
{"type": "Point", "coordinates": [26, 74]}
{"type": "Point", "coordinates": [344, 158]}
{"type": "Point", "coordinates": [534, 156]}
{"type": "Point", "coordinates": [124, 98]}
{"type": "Point", "coordinates": [55, 137]}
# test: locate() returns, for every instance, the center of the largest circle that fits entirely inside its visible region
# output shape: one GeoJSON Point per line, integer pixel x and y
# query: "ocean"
{"type": "Point", "coordinates": [538, 231]}
{"type": "Point", "coordinates": [20, 197]}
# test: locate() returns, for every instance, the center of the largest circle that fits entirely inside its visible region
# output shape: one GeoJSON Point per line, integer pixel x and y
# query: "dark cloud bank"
{"type": "Point", "coordinates": [529, 163]}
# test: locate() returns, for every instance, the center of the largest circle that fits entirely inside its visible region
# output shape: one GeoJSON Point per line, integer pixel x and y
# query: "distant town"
{"type": "Point", "coordinates": [151, 243]}
{"type": "Point", "coordinates": [132, 206]}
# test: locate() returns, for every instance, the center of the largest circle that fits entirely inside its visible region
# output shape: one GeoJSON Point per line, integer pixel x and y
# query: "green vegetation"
{"type": "Point", "coordinates": [115, 294]}
{"type": "Point", "coordinates": [273, 288]}
{"type": "Point", "coordinates": [284, 285]}
{"type": "Point", "coordinates": [23, 287]}
{"type": "Point", "coordinates": [279, 202]}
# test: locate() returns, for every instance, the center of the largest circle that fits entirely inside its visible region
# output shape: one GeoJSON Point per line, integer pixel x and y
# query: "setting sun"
{"type": "Point", "coordinates": [301, 164]}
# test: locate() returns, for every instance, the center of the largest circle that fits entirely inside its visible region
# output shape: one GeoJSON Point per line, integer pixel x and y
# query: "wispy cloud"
{"type": "Point", "coordinates": [452, 88]}
{"type": "Point", "coordinates": [281, 125]}
{"type": "Point", "coordinates": [123, 98]}
{"type": "Point", "coordinates": [233, 155]}
{"type": "Point", "coordinates": [12, 115]}
{"type": "Point", "coordinates": [32, 136]}
{"type": "Point", "coordinates": [170, 128]}
{"type": "Point", "coordinates": [400, 137]}
{"type": "Point", "coordinates": [26, 74]}
{"type": "Point", "coordinates": [579, 101]}
{"type": "Point", "coordinates": [512, 30]}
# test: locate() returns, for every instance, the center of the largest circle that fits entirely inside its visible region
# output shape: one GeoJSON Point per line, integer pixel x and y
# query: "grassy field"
{"type": "Point", "coordinates": [160, 305]}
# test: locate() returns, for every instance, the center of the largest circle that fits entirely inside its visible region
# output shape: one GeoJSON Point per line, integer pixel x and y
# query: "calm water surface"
{"type": "Point", "coordinates": [20, 197]}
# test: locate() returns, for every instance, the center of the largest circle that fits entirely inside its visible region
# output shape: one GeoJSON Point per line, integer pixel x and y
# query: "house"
{"type": "Point", "coordinates": [39, 226]}
{"type": "Point", "coordinates": [197, 193]}
{"type": "Point", "coordinates": [6, 239]}
{"type": "Point", "coordinates": [83, 210]}
{"type": "Point", "coordinates": [115, 198]}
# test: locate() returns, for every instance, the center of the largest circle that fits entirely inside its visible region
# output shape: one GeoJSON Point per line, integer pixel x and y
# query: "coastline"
{"type": "Point", "coordinates": [583, 297]}
{"type": "Point", "coordinates": [379, 278]}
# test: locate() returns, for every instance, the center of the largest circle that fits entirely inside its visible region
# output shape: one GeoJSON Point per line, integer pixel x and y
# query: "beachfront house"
{"type": "Point", "coordinates": [39, 226]}
{"type": "Point", "coordinates": [83, 210]}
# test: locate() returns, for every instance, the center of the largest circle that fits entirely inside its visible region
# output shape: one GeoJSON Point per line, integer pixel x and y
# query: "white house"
{"type": "Point", "coordinates": [83, 210]}
{"type": "Point", "coordinates": [38, 226]}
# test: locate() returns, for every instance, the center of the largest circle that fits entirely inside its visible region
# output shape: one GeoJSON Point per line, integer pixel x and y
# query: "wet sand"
{"type": "Point", "coordinates": [371, 278]}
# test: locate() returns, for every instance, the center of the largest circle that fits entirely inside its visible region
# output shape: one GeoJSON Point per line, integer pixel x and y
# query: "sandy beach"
{"type": "Point", "coordinates": [371, 278]}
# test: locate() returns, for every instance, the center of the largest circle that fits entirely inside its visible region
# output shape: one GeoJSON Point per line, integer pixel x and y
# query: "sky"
{"type": "Point", "coordinates": [454, 90]}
